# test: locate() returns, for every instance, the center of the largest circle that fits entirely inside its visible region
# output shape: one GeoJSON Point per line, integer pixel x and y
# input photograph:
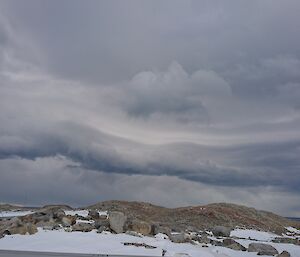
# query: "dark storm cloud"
{"type": "Point", "coordinates": [93, 150]}
{"type": "Point", "coordinates": [204, 94]}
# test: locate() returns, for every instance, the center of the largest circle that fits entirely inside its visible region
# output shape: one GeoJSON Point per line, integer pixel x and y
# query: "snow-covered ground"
{"type": "Point", "coordinates": [253, 234]}
{"type": "Point", "coordinates": [5, 214]}
{"type": "Point", "coordinates": [106, 243]}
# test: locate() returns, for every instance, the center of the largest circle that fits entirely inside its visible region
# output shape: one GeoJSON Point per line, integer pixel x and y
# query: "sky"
{"type": "Point", "coordinates": [171, 102]}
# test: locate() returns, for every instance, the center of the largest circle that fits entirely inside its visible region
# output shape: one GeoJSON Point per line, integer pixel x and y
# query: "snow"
{"type": "Point", "coordinates": [6, 214]}
{"type": "Point", "coordinates": [293, 230]}
{"type": "Point", "coordinates": [107, 243]}
{"type": "Point", "coordinates": [85, 221]}
{"type": "Point", "coordinates": [253, 234]}
{"type": "Point", "coordinates": [104, 243]}
{"type": "Point", "coordinates": [84, 213]}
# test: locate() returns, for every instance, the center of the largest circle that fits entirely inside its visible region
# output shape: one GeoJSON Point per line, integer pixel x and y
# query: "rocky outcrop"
{"type": "Point", "coordinates": [230, 243]}
{"type": "Point", "coordinates": [221, 231]}
{"type": "Point", "coordinates": [199, 217]}
{"type": "Point", "coordinates": [262, 249]}
{"type": "Point", "coordinates": [117, 221]}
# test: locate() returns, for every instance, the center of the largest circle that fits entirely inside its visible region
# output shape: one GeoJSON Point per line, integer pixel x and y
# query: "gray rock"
{"type": "Point", "coordinates": [94, 214]}
{"type": "Point", "coordinates": [117, 221]}
{"type": "Point", "coordinates": [141, 227]}
{"type": "Point", "coordinates": [23, 229]}
{"type": "Point", "coordinates": [216, 242]}
{"type": "Point", "coordinates": [101, 223]}
{"type": "Point", "coordinates": [221, 231]}
{"type": "Point", "coordinates": [48, 225]}
{"type": "Point", "coordinates": [230, 243]}
{"type": "Point", "coordinates": [102, 228]}
{"type": "Point", "coordinates": [38, 217]}
{"type": "Point", "coordinates": [262, 249]}
{"type": "Point", "coordinates": [161, 229]}
{"type": "Point", "coordinates": [10, 222]}
{"type": "Point", "coordinates": [83, 227]}
{"type": "Point", "coordinates": [284, 254]}
{"type": "Point", "coordinates": [68, 221]}
{"type": "Point", "coordinates": [178, 237]}
{"type": "Point", "coordinates": [57, 214]}
{"type": "Point", "coordinates": [204, 239]}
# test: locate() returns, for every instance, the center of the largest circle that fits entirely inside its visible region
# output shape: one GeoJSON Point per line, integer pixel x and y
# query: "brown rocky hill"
{"type": "Point", "coordinates": [200, 217]}
{"type": "Point", "coordinates": [10, 207]}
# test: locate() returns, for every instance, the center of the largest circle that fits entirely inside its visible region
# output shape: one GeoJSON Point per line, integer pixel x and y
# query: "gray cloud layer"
{"type": "Point", "coordinates": [180, 102]}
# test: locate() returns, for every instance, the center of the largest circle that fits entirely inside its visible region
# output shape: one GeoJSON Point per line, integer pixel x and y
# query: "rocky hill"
{"type": "Point", "coordinates": [10, 207]}
{"type": "Point", "coordinates": [200, 217]}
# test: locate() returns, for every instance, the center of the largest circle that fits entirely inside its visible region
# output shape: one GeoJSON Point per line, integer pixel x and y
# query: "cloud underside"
{"type": "Point", "coordinates": [185, 106]}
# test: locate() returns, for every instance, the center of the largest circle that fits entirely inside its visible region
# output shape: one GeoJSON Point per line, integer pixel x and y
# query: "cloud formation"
{"type": "Point", "coordinates": [189, 105]}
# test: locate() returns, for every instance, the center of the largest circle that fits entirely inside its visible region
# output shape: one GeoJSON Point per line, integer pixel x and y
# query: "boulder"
{"type": "Point", "coordinates": [83, 227]}
{"type": "Point", "coordinates": [221, 231]}
{"type": "Point", "coordinates": [141, 227]}
{"type": "Point", "coordinates": [262, 249]}
{"type": "Point", "coordinates": [204, 239]}
{"type": "Point", "coordinates": [37, 217]}
{"type": "Point", "coordinates": [102, 228]}
{"type": "Point", "coordinates": [159, 229]}
{"type": "Point", "coordinates": [23, 229]}
{"type": "Point", "coordinates": [117, 221]}
{"type": "Point", "coordinates": [13, 222]}
{"type": "Point", "coordinates": [48, 225]}
{"type": "Point", "coordinates": [216, 242]}
{"type": "Point", "coordinates": [94, 214]}
{"type": "Point", "coordinates": [192, 236]}
{"type": "Point", "coordinates": [230, 243]}
{"type": "Point", "coordinates": [44, 215]}
{"type": "Point", "coordinates": [101, 223]}
{"type": "Point", "coordinates": [284, 254]}
{"type": "Point", "coordinates": [68, 221]}
{"type": "Point", "coordinates": [178, 237]}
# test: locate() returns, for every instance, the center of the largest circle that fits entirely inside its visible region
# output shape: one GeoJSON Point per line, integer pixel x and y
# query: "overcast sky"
{"type": "Point", "coordinates": [172, 102]}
